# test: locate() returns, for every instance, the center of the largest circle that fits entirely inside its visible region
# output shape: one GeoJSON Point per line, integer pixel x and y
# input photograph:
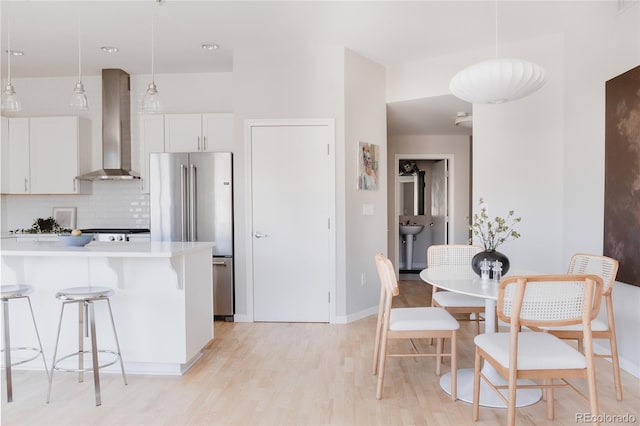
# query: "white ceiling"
{"type": "Point", "coordinates": [387, 32]}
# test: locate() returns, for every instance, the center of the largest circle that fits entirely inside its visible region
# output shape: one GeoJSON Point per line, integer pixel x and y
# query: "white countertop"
{"type": "Point", "coordinates": [102, 249]}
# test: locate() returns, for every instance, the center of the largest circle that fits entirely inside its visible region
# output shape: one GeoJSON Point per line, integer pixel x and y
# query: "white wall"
{"type": "Point", "coordinates": [518, 157]}
{"type": "Point", "coordinates": [596, 51]}
{"type": "Point", "coordinates": [276, 84]}
{"type": "Point", "coordinates": [366, 235]}
{"type": "Point", "coordinates": [543, 155]}
{"type": "Point", "coordinates": [326, 82]}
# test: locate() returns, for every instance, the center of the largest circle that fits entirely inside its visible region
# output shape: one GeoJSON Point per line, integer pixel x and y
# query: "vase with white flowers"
{"type": "Point", "coordinates": [492, 233]}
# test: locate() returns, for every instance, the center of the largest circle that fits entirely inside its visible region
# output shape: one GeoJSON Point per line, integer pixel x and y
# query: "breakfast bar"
{"type": "Point", "coordinates": [162, 306]}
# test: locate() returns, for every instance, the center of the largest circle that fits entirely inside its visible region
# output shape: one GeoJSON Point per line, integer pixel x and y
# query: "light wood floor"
{"type": "Point", "coordinates": [291, 374]}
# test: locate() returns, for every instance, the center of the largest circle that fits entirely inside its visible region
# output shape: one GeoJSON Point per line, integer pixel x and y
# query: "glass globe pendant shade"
{"type": "Point", "coordinates": [151, 99]}
{"type": "Point", "coordinates": [79, 100]}
{"type": "Point", "coordinates": [496, 81]}
{"type": "Point", "coordinates": [10, 101]}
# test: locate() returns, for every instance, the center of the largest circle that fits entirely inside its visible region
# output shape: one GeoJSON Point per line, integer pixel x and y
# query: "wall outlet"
{"type": "Point", "coordinates": [363, 279]}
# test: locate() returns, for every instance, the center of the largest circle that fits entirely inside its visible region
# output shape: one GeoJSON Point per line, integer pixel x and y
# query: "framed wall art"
{"type": "Point", "coordinates": [65, 217]}
{"type": "Point", "coordinates": [622, 174]}
{"type": "Point", "coordinates": [367, 166]}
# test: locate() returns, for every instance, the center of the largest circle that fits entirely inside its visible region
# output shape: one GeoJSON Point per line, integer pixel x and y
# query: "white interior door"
{"type": "Point", "coordinates": [290, 186]}
{"type": "Point", "coordinates": [439, 202]}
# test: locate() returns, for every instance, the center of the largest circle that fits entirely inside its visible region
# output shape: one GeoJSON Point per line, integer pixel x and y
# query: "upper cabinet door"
{"type": "Point", "coordinates": [183, 133]}
{"type": "Point", "coordinates": [15, 156]}
{"type": "Point", "coordinates": [217, 131]}
{"type": "Point", "coordinates": [54, 155]}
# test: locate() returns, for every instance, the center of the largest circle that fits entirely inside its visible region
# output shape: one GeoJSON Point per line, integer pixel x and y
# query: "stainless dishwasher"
{"type": "Point", "coordinates": [222, 268]}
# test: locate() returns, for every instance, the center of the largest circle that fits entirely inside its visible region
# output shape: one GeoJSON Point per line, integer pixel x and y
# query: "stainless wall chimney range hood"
{"type": "Point", "coordinates": [116, 129]}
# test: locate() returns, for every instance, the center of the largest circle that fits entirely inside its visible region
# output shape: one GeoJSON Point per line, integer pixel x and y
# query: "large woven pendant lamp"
{"type": "Point", "coordinates": [496, 81]}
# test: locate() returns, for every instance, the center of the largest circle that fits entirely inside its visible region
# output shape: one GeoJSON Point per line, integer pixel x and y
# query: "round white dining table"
{"type": "Point", "coordinates": [461, 279]}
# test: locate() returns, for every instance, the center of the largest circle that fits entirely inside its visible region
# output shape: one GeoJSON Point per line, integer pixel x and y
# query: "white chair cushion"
{"type": "Point", "coordinates": [596, 325]}
{"type": "Point", "coordinates": [449, 299]}
{"type": "Point", "coordinates": [415, 319]}
{"type": "Point", "coordinates": [536, 351]}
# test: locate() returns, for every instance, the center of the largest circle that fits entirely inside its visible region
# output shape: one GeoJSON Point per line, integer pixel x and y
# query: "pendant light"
{"type": "Point", "coordinates": [10, 101]}
{"type": "Point", "coordinates": [78, 100]}
{"type": "Point", "coordinates": [496, 81]}
{"type": "Point", "coordinates": [151, 100]}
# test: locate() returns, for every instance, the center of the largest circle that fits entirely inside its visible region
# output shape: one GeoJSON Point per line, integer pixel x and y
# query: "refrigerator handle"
{"type": "Point", "coordinates": [183, 201]}
{"type": "Point", "coordinates": [193, 203]}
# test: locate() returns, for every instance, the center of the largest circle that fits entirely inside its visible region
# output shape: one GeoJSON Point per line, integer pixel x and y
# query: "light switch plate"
{"type": "Point", "coordinates": [367, 209]}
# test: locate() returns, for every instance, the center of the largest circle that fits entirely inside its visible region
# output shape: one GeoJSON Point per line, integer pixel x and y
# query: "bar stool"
{"type": "Point", "coordinates": [11, 292]}
{"type": "Point", "coordinates": [85, 297]}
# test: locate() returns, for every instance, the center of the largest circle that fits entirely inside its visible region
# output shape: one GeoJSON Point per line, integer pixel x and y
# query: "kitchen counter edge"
{"type": "Point", "coordinates": [103, 249]}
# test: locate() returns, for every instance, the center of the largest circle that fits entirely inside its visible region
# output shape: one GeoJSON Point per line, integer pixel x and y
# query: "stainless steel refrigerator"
{"type": "Point", "coordinates": [191, 199]}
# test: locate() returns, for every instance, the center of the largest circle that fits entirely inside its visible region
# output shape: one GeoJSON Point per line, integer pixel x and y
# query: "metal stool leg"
{"type": "Point", "coordinates": [81, 327]}
{"type": "Point", "coordinates": [94, 352]}
{"type": "Point", "coordinates": [44, 361]}
{"type": "Point", "coordinates": [55, 352]}
{"type": "Point", "coordinates": [115, 335]}
{"type": "Point", "coordinates": [7, 350]}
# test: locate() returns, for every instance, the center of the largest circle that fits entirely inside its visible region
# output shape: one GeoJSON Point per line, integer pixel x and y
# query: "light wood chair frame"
{"type": "Point", "coordinates": [592, 298]}
{"type": "Point", "coordinates": [580, 264]}
{"type": "Point", "coordinates": [434, 260]}
{"type": "Point", "coordinates": [388, 290]}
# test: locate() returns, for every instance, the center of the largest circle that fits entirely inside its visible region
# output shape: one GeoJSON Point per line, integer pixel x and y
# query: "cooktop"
{"type": "Point", "coordinates": [116, 230]}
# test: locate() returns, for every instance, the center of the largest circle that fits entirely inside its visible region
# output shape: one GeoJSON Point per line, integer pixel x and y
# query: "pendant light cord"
{"type": "Point", "coordinates": [153, 18]}
{"type": "Point", "coordinates": [496, 29]}
{"type": "Point", "coordinates": [8, 52]}
{"type": "Point", "coordinates": [79, 52]}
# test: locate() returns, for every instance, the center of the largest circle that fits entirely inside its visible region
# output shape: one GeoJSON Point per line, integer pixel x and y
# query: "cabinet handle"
{"type": "Point", "coordinates": [74, 185]}
{"type": "Point", "coordinates": [198, 143]}
{"type": "Point", "coordinates": [204, 144]}
{"type": "Point", "coordinates": [25, 185]}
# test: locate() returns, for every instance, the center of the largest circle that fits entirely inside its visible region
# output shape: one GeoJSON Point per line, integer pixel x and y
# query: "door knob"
{"type": "Point", "coordinates": [260, 235]}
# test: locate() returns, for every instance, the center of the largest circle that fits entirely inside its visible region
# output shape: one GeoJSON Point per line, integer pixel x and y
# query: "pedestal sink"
{"type": "Point", "coordinates": [409, 231]}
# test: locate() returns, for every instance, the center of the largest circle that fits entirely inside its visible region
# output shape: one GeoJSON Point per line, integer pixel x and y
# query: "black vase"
{"type": "Point", "coordinates": [491, 256]}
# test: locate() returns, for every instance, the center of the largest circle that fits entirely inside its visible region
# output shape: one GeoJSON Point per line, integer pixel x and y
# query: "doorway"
{"type": "Point", "coordinates": [424, 194]}
{"type": "Point", "coordinates": [291, 244]}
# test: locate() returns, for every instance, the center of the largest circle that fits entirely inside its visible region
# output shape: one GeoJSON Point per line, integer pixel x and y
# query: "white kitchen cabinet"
{"type": "Point", "coordinates": [198, 132]}
{"type": "Point", "coordinates": [152, 140]}
{"type": "Point", "coordinates": [45, 154]}
{"type": "Point", "coordinates": [15, 156]}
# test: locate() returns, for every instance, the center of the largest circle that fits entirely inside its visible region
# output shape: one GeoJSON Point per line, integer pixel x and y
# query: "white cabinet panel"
{"type": "Point", "coordinates": [45, 155]}
{"type": "Point", "coordinates": [183, 132]}
{"type": "Point", "coordinates": [152, 137]}
{"type": "Point", "coordinates": [198, 132]}
{"type": "Point", "coordinates": [15, 156]}
{"type": "Point", "coordinates": [54, 155]}
{"type": "Point", "coordinates": [217, 130]}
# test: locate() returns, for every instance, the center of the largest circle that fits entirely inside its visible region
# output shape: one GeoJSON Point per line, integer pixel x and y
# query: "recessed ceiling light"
{"type": "Point", "coordinates": [109, 49]}
{"type": "Point", "coordinates": [210, 46]}
{"type": "Point", "coordinates": [15, 52]}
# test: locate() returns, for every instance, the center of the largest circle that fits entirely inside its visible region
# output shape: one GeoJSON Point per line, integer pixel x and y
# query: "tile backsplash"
{"type": "Point", "coordinates": [112, 204]}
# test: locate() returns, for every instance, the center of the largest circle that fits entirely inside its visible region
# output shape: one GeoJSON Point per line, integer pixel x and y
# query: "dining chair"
{"type": "Point", "coordinates": [409, 323]}
{"type": "Point", "coordinates": [455, 303]}
{"type": "Point", "coordinates": [606, 268]}
{"type": "Point", "coordinates": [540, 301]}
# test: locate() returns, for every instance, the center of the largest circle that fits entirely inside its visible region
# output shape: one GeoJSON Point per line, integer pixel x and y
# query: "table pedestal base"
{"type": "Point", "coordinates": [488, 397]}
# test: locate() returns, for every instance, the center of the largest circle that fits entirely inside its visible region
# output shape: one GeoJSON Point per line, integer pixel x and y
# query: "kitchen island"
{"type": "Point", "coordinates": [162, 305]}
